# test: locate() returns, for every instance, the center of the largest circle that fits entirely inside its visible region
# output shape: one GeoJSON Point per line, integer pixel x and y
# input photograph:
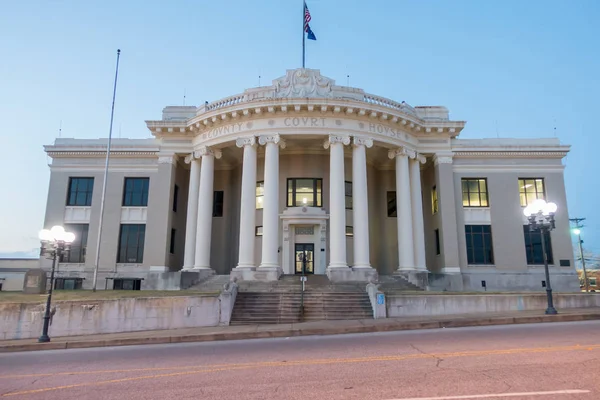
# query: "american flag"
{"type": "Point", "coordinates": [306, 17]}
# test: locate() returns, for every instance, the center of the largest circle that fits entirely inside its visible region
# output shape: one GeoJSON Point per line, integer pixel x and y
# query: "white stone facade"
{"type": "Point", "coordinates": [227, 192]}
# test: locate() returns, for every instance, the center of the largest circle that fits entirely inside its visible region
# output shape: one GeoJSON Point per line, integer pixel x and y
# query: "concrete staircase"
{"type": "Point", "coordinates": [280, 302]}
{"type": "Point", "coordinates": [396, 284]}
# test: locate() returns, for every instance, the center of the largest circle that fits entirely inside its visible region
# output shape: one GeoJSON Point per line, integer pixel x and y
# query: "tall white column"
{"type": "Point", "coordinates": [406, 258]}
{"type": "Point", "coordinates": [192, 212]}
{"type": "Point", "coordinates": [337, 202]}
{"type": "Point", "coordinates": [417, 211]}
{"type": "Point", "coordinates": [205, 208]}
{"type": "Point", "coordinates": [360, 205]}
{"type": "Point", "coordinates": [248, 202]}
{"type": "Point", "coordinates": [270, 238]}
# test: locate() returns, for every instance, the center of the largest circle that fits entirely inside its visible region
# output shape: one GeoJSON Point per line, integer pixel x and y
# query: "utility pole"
{"type": "Point", "coordinates": [577, 231]}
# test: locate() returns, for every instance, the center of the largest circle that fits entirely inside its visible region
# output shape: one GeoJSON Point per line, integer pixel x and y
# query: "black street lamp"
{"type": "Point", "coordinates": [541, 218]}
{"type": "Point", "coordinates": [55, 243]}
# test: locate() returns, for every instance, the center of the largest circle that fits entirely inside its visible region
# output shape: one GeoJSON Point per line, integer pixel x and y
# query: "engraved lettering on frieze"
{"type": "Point", "coordinates": [304, 121]}
{"type": "Point", "coordinates": [223, 130]}
{"type": "Point", "coordinates": [384, 130]}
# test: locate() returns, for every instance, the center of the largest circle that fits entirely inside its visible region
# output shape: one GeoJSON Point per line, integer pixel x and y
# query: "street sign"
{"type": "Point", "coordinates": [302, 279]}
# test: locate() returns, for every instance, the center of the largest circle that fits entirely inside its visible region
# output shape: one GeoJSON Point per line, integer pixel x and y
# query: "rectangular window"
{"type": "Point", "coordinates": [258, 231]}
{"type": "Point", "coordinates": [531, 189]}
{"type": "Point", "coordinates": [175, 197]}
{"type": "Point", "coordinates": [131, 244]}
{"type": "Point", "coordinates": [391, 204]}
{"type": "Point", "coordinates": [218, 203]}
{"type": "Point", "coordinates": [437, 242]}
{"type": "Point", "coordinates": [135, 193]}
{"type": "Point", "coordinates": [479, 244]}
{"type": "Point", "coordinates": [260, 194]}
{"type": "Point", "coordinates": [349, 231]}
{"type": "Point", "coordinates": [305, 192]}
{"type": "Point", "coordinates": [68, 283]}
{"type": "Point", "coordinates": [533, 246]}
{"type": "Point", "coordinates": [79, 245]}
{"type": "Point", "coordinates": [172, 243]}
{"type": "Point", "coordinates": [348, 189]}
{"type": "Point", "coordinates": [434, 200]}
{"type": "Point", "coordinates": [127, 284]}
{"type": "Point", "coordinates": [474, 192]}
{"type": "Point", "coordinates": [80, 192]}
{"type": "Point", "coordinates": [593, 281]}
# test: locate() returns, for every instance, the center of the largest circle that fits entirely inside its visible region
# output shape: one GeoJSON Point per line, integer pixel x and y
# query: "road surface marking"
{"type": "Point", "coordinates": [232, 367]}
{"type": "Point", "coordinates": [474, 353]}
{"type": "Point", "coordinates": [500, 395]}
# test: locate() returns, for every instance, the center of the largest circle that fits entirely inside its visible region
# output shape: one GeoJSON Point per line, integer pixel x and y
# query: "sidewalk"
{"type": "Point", "coordinates": [209, 334]}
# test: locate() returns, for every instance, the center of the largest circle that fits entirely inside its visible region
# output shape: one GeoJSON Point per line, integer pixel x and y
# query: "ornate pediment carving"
{"type": "Point", "coordinates": [303, 83]}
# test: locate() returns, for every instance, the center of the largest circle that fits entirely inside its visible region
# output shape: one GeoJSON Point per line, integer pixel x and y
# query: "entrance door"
{"type": "Point", "coordinates": [304, 257]}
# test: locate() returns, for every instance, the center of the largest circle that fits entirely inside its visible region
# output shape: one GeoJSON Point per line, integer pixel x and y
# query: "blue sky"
{"type": "Point", "coordinates": [511, 68]}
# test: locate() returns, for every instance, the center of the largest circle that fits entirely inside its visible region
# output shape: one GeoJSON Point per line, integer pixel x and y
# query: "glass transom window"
{"type": "Point", "coordinates": [474, 192]}
{"type": "Point", "coordinates": [260, 194]}
{"type": "Point", "coordinates": [531, 189]}
{"type": "Point", "coordinates": [305, 192]}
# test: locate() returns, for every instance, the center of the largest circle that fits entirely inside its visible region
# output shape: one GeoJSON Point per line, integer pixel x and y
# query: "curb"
{"type": "Point", "coordinates": [294, 332]}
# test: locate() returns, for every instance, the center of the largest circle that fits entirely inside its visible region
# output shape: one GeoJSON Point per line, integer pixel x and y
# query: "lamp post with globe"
{"type": "Point", "coordinates": [541, 218]}
{"type": "Point", "coordinates": [55, 243]}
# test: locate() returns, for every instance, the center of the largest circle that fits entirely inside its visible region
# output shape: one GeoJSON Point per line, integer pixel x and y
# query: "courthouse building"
{"type": "Point", "coordinates": [307, 176]}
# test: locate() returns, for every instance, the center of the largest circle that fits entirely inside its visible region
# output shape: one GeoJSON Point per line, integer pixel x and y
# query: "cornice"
{"type": "Point", "coordinates": [511, 154]}
{"type": "Point", "coordinates": [58, 154]}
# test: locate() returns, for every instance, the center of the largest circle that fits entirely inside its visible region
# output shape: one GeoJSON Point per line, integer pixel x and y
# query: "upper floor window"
{"type": "Point", "coordinates": [391, 204]}
{"type": "Point", "coordinates": [434, 200]}
{"type": "Point", "coordinates": [474, 192]}
{"type": "Point", "coordinates": [135, 193]}
{"type": "Point", "coordinates": [175, 197]}
{"type": "Point", "coordinates": [218, 203]}
{"type": "Point", "coordinates": [260, 194]}
{"type": "Point", "coordinates": [531, 189]}
{"type": "Point", "coordinates": [533, 246]}
{"type": "Point", "coordinates": [80, 191]}
{"type": "Point", "coordinates": [348, 190]}
{"type": "Point", "coordinates": [305, 192]}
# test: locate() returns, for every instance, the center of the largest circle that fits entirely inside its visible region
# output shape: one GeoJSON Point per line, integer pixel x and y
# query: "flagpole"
{"type": "Point", "coordinates": [112, 113]}
{"type": "Point", "coordinates": [303, 35]}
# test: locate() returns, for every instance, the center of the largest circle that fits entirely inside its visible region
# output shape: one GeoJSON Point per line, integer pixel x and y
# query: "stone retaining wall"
{"type": "Point", "coordinates": [446, 304]}
{"type": "Point", "coordinates": [71, 318]}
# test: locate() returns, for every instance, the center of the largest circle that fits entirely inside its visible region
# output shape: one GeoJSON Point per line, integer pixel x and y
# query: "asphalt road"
{"type": "Point", "coordinates": [518, 362]}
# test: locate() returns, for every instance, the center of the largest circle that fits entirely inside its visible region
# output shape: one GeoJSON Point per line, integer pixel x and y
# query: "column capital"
{"type": "Point", "coordinates": [402, 151]}
{"type": "Point", "coordinates": [207, 151]}
{"type": "Point", "coordinates": [189, 158]}
{"type": "Point", "coordinates": [263, 140]}
{"type": "Point", "coordinates": [343, 139]}
{"type": "Point", "coordinates": [167, 159]}
{"type": "Point", "coordinates": [445, 158]}
{"type": "Point", "coordinates": [421, 158]}
{"type": "Point", "coordinates": [362, 141]}
{"type": "Point", "coordinates": [245, 141]}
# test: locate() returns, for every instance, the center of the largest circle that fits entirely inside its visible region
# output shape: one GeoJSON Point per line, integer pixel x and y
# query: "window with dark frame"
{"type": "Point", "coordinates": [349, 231]}
{"type": "Point", "coordinates": [260, 194]}
{"type": "Point", "coordinates": [348, 192]}
{"type": "Point", "coordinates": [258, 231]}
{"type": "Point", "coordinates": [479, 244]}
{"type": "Point", "coordinates": [437, 242]}
{"type": "Point", "coordinates": [68, 283]}
{"type": "Point", "coordinates": [218, 203]}
{"type": "Point", "coordinates": [533, 246]}
{"type": "Point", "coordinates": [78, 248]}
{"type": "Point", "coordinates": [305, 192]}
{"type": "Point", "coordinates": [434, 200]}
{"type": "Point", "coordinates": [391, 204]}
{"type": "Point", "coordinates": [135, 192]}
{"type": "Point", "coordinates": [172, 243]}
{"type": "Point", "coordinates": [127, 284]}
{"type": "Point", "coordinates": [131, 244]}
{"type": "Point", "coordinates": [531, 189]}
{"type": "Point", "coordinates": [474, 192]}
{"type": "Point", "coordinates": [80, 192]}
{"type": "Point", "coordinates": [175, 197]}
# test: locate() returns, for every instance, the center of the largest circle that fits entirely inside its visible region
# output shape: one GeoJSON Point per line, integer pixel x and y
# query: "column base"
{"type": "Point", "coordinates": [416, 277]}
{"type": "Point", "coordinates": [264, 274]}
{"type": "Point", "coordinates": [356, 274]}
{"type": "Point", "coordinates": [200, 268]}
